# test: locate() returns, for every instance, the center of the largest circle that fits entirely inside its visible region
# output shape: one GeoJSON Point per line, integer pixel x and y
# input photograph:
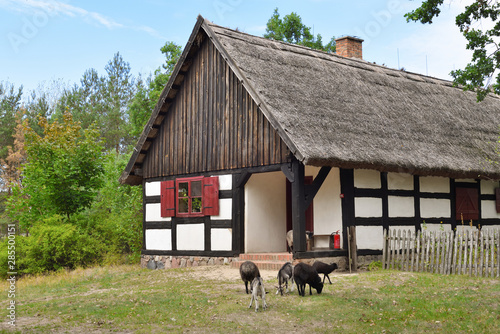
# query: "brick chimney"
{"type": "Point", "coordinates": [350, 47]}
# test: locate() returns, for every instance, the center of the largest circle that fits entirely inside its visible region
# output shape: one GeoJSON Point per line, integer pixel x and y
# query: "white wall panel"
{"type": "Point", "coordinates": [367, 178]}
{"type": "Point", "coordinates": [153, 188]}
{"type": "Point", "coordinates": [159, 239]}
{"type": "Point", "coordinates": [221, 239]}
{"type": "Point", "coordinates": [225, 182]}
{"type": "Point", "coordinates": [225, 209]}
{"type": "Point", "coordinates": [435, 208]}
{"type": "Point", "coordinates": [367, 207]}
{"type": "Point", "coordinates": [370, 237]}
{"type": "Point", "coordinates": [399, 181]}
{"type": "Point", "coordinates": [265, 213]}
{"type": "Point", "coordinates": [489, 209]}
{"type": "Point", "coordinates": [488, 187]}
{"type": "Point", "coordinates": [401, 206]}
{"type": "Point", "coordinates": [191, 237]}
{"type": "Point", "coordinates": [434, 184]}
{"type": "Point", "coordinates": [153, 213]}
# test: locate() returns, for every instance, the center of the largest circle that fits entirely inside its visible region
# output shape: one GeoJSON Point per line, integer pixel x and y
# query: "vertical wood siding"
{"type": "Point", "coordinates": [213, 124]}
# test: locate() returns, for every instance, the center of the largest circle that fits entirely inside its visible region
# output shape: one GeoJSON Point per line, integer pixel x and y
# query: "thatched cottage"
{"type": "Point", "coordinates": [253, 137]}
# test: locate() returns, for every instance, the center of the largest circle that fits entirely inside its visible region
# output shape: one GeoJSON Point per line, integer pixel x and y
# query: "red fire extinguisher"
{"type": "Point", "coordinates": [336, 240]}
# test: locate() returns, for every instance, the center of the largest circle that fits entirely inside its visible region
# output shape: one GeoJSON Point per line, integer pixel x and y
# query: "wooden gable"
{"type": "Point", "coordinates": [212, 124]}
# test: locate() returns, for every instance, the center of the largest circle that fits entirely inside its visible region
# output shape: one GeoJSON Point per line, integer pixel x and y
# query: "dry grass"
{"type": "Point", "coordinates": [126, 299]}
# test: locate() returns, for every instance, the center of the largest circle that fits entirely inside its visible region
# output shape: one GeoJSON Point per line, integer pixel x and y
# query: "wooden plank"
{"type": "Point", "coordinates": [393, 247]}
{"type": "Point", "coordinates": [384, 250]}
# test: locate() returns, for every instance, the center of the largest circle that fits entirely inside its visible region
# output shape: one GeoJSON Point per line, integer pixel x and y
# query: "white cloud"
{"type": "Point", "coordinates": [57, 8]}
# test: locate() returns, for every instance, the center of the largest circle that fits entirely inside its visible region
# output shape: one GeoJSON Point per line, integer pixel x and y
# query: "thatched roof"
{"type": "Point", "coordinates": [341, 112]}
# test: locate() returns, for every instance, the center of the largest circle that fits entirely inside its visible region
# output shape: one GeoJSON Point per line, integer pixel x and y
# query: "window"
{"type": "Point", "coordinates": [190, 197]}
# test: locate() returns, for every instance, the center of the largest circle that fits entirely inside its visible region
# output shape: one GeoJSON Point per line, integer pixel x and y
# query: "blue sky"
{"type": "Point", "coordinates": [42, 41]}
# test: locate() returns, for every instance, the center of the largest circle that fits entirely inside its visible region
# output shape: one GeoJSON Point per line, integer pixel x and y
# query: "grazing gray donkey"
{"type": "Point", "coordinates": [257, 289]}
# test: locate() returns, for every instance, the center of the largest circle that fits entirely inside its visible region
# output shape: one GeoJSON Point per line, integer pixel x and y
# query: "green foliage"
{"type": "Point", "coordinates": [102, 100]}
{"type": "Point", "coordinates": [479, 74]}
{"type": "Point", "coordinates": [290, 29]}
{"type": "Point", "coordinates": [375, 265]}
{"type": "Point", "coordinates": [53, 245]}
{"type": "Point", "coordinates": [10, 100]}
{"type": "Point", "coordinates": [63, 171]}
{"type": "Point", "coordinates": [116, 214]}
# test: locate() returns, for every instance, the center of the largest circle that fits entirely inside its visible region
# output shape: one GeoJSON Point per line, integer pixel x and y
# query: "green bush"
{"type": "Point", "coordinates": [53, 245]}
{"type": "Point", "coordinates": [62, 246]}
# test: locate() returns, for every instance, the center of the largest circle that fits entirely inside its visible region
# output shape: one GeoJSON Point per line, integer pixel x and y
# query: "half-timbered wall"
{"type": "Point", "coordinates": [213, 124]}
{"type": "Point", "coordinates": [199, 235]}
{"type": "Point", "coordinates": [396, 200]}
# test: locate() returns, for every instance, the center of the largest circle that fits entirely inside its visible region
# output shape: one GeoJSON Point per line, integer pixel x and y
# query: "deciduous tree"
{"type": "Point", "coordinates": [480, 26]}
{"type": "Point", "coordinates": [62, 173]}
{"type": "Point", "coordinates": [290, 29]}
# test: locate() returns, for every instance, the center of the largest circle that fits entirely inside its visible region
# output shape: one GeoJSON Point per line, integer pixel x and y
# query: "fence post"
{"type": "Point", "coordinates": [481, 255]}
{"type": "Point", "coordinates": [470, 251]}
{"type": "Point", "coordinates": [412, 247]}
{"type": "Point", "coordinates": [417, 250]}
{"type": "Point", "coordinates": [498, 252]}
{"type": "Point", "coordinates": [492, 251]}
{"type": "Point", "coordinates": [393, 240]}
{"type": "Point", "coordinates": [384, 249]}
{"type": "Point", "coordinates": [466, 243]}
{"type": "Point", "coordinates": [455, 250]}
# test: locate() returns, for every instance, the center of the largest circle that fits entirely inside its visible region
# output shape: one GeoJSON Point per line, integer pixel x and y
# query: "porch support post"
{"type": "Point", "coordinates": [298, 207]}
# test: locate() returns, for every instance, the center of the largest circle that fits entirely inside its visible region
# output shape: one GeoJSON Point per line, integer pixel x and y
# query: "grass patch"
{"type": "Point", "coordinates": [212, 299]}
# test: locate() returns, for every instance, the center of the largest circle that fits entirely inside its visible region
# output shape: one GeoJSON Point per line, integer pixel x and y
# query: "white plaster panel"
{"type": "Point", "coordinates": [489, 209]}
{"type": "Point", "coordinates": [221, 239]}
{"type": "Point", "coordinates": [159, 239]}
{"type": "Point", "coordinates": [488, 187]}
{"type": "Point", "coordinates": [225, 209]}
{"type": "Point", "coordinates": [466, 180]}
{"type": "Point", "coordinates": [399, 181]}
{"type": "Point", "coordinates": [191, 237]}
{"type": "Point", "coordinates": [367, 178]}
{"type": "Point", "coordinates": [367, 207]}
{"type": "Point", "coordinates": [434, 184]}
{"type": "Point", "coordinates": [153, 188]}
{"type": "Point", "coordinates": [435, 208]}
{"type": "Point", "coordinates": [225, 182]}
{"type": "Point", "coordinates": [327, 203]}
{"type": "Point", "coordinates": [153, 213]}
{"type": "Point", "coordinates": [401, 206]}
{"type": "Point", "coordinates": [265, 213]}
{"type": "Point", "coordinates": [435, 227]}
{"type": "Point", "coordinates": [370, 237]}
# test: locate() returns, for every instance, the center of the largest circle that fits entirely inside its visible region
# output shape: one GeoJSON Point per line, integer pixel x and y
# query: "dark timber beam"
{"type": "Point", "coordinates": [287, 170]}
{"type": "Point", "coordinates": [298, 207]}
{"type": "Point", "coordinates": [312, 189]}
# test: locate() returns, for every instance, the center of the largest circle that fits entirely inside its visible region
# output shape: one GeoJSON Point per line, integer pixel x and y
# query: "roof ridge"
{"type": "Point", "coordinates": [340, 59]}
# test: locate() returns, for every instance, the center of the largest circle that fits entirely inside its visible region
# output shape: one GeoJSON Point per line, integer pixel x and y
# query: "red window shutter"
{"type": "Point", "coordinates": [168, 198]}
{"type": "Point", "coordinates": [497, 192]}
{"type": "Point", "coordinates": [211, 196]}
{"type": "Point", "coordinates": [467, 204]}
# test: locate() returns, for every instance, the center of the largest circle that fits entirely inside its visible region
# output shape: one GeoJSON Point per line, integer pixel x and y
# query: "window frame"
{"type": "Point", "coordinates": [190, 197]}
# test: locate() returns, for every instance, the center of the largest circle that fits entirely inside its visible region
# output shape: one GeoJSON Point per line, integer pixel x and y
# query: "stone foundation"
{"type": "Point", "coordinates": [167, 262]}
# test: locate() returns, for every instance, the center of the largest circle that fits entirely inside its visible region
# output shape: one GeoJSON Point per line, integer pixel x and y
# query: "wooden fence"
{"type": "Point", "coordinates": [467, 252]}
